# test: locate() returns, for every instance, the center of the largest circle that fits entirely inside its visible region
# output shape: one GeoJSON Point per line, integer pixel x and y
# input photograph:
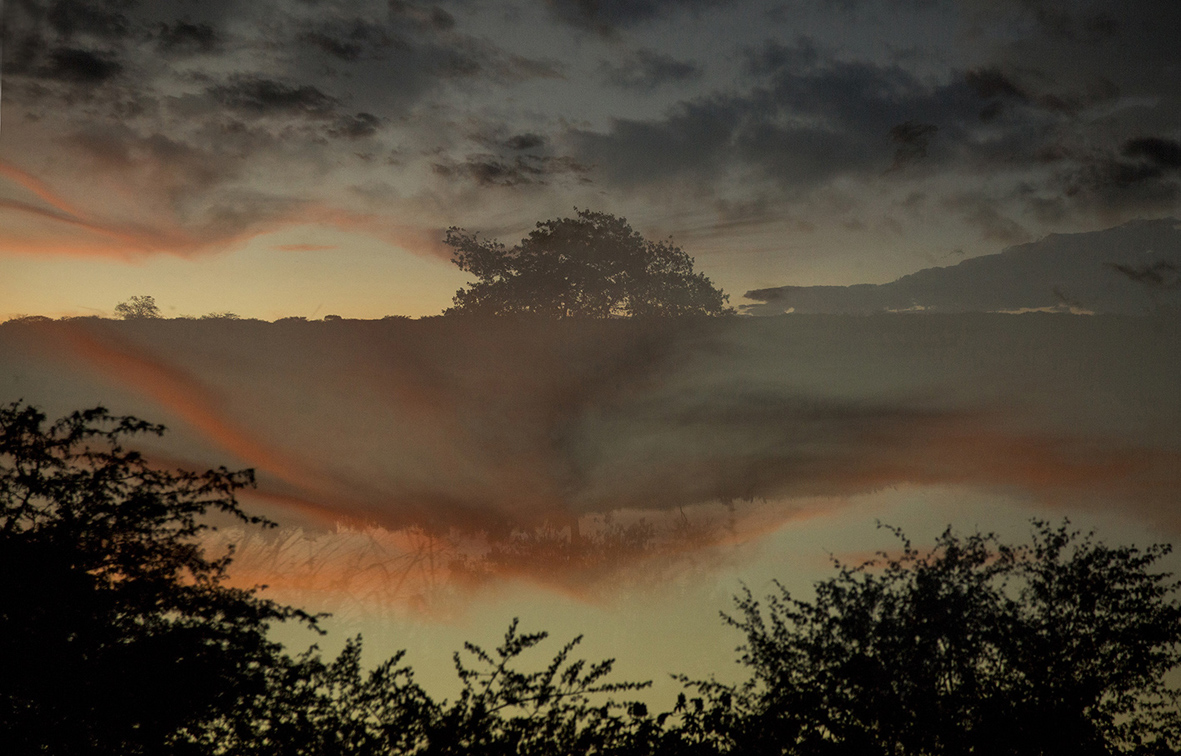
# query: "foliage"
{"type": "Point", "coordinates": [120, 636]}
{"type": "Point", "coordinates": [1060, 646]}
{"type": "Point", "coordinates": [138, 308]}
{"type": "Point", "coordinates": [505, 711]}
{"type": "Point", "coordinates": [591, 266]}
{"type": "Point", "coordinates": [313, 708]}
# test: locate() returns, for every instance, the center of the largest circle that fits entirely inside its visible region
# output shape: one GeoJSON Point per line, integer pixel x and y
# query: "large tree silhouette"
{"type": "Point", "coordinates": [590, 266]}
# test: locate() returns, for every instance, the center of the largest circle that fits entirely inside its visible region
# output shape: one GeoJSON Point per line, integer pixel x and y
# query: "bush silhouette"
{"type": "Point", "coordinates": [590, 266]}
{"type": "Point", "coordinates": [1059, 646]}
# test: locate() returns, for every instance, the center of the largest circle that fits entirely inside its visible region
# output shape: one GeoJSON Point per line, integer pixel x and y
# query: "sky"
{"type": "Point", "coordinates": [300, 157]}
{"type": "Point", "coordinates": [280, 158]}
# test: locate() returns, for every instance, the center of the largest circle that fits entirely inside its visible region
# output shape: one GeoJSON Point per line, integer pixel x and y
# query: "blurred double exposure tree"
{"type": "Point", "coordinates": [591, 266]}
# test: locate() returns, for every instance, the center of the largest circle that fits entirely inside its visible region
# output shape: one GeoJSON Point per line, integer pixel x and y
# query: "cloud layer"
{"type": "Point", "coordinates": [184, 131]}
{"type": "Point", "coordinates": [449, 427]}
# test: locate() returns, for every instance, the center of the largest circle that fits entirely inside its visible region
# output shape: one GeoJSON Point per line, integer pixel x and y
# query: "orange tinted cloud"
{"type": "Point", "coordinates": [511, 431]}
{"type": "Point", "coordinates": [130, 219]}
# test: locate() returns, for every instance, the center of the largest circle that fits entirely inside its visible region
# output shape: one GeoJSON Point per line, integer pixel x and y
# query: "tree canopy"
{"type": "Point", "coordinates": [591, 266]}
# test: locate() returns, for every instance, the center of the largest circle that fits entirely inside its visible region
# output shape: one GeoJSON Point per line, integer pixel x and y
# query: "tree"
{"type": "Point", "coordinates": [1059, 646]}
{"type": "Point", "coordinates": [119, 635]}
{"type": "Point", "coordinates": [590, 266]}
{"type": "Point", "coordinates": [138, 308]}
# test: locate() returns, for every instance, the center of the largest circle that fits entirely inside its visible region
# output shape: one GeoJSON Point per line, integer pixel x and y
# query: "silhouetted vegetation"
{"type": "Point", "coordinates": [121, 637]}
{"type": "Point", "coordinates": [591, 266]}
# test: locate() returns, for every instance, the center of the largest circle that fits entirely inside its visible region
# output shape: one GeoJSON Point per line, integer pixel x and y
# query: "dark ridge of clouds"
{"type": "Point", "coordinates": [606, 16]}
{"type": "Point", "coordinates": [1058, 273]}
{"type": "Point", "coordinates": [261, 96]}
{"type": "Point", "coordinates": [1161, 274]}
{"type": "Point", "coordinates": [646, 70]}
{"type": "Point", "coordinates": [183, 37]}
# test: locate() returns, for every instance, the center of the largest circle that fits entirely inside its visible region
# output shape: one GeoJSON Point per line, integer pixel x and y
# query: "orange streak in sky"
{"type": "Point", "coordinates": [39, 188]}
{"type": "Point", "coordinates": [182, 394]}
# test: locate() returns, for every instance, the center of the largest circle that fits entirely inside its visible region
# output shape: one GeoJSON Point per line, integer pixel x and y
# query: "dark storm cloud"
{"type": "Point", "coordinates": [1164, 153]}
{"type": "Point", "coordinates": [646, 70]}
{"type": "Point", "coordinates": [262, 96]}
{"type": "Point", "coordinates": [80, 66]}
{"type": "Point", "coordinates": [808, 119]}
{"type": "Point", "coordinates": [491, 170]}
{"type": "Point", "coordinates": [1141, 175]}
{"type": "Point", "coordinates": [604, 16]}
{"type": "Point", "coordinates": [527, 141]}
{"type": "Point", "coordinates": [912, 140]}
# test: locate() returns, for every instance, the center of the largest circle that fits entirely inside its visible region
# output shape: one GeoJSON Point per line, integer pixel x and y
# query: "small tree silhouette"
{"type": "Point", "coordinates": [590, 266]}
{"type": "Point", "coordinates": [138, 308]}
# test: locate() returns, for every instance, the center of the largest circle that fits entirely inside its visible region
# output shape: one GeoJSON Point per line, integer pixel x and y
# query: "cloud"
{"type": "Point", "coordinates": [490, 170]}
{"type": "Point", "coordinates": [527, 141]}
{"type": "Point", "coordinates": [261, 96]}
{"type": "Point", "coordinates": [912, 140]}
{"type": "Point", "coordinates": [99, 19]}
{"type": "Point", "coordinates": [185, 38]}
{"type": "Point", "coordinates": [810, 119]}
{"type": "Point", "coordinates": [494, 439]}
{"type": "Point", "coordinates": [645, 70]}
{"type": "Point", "coordinates": [173, 153]}
{"type": "Point", "coordinates": [606, 16]}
